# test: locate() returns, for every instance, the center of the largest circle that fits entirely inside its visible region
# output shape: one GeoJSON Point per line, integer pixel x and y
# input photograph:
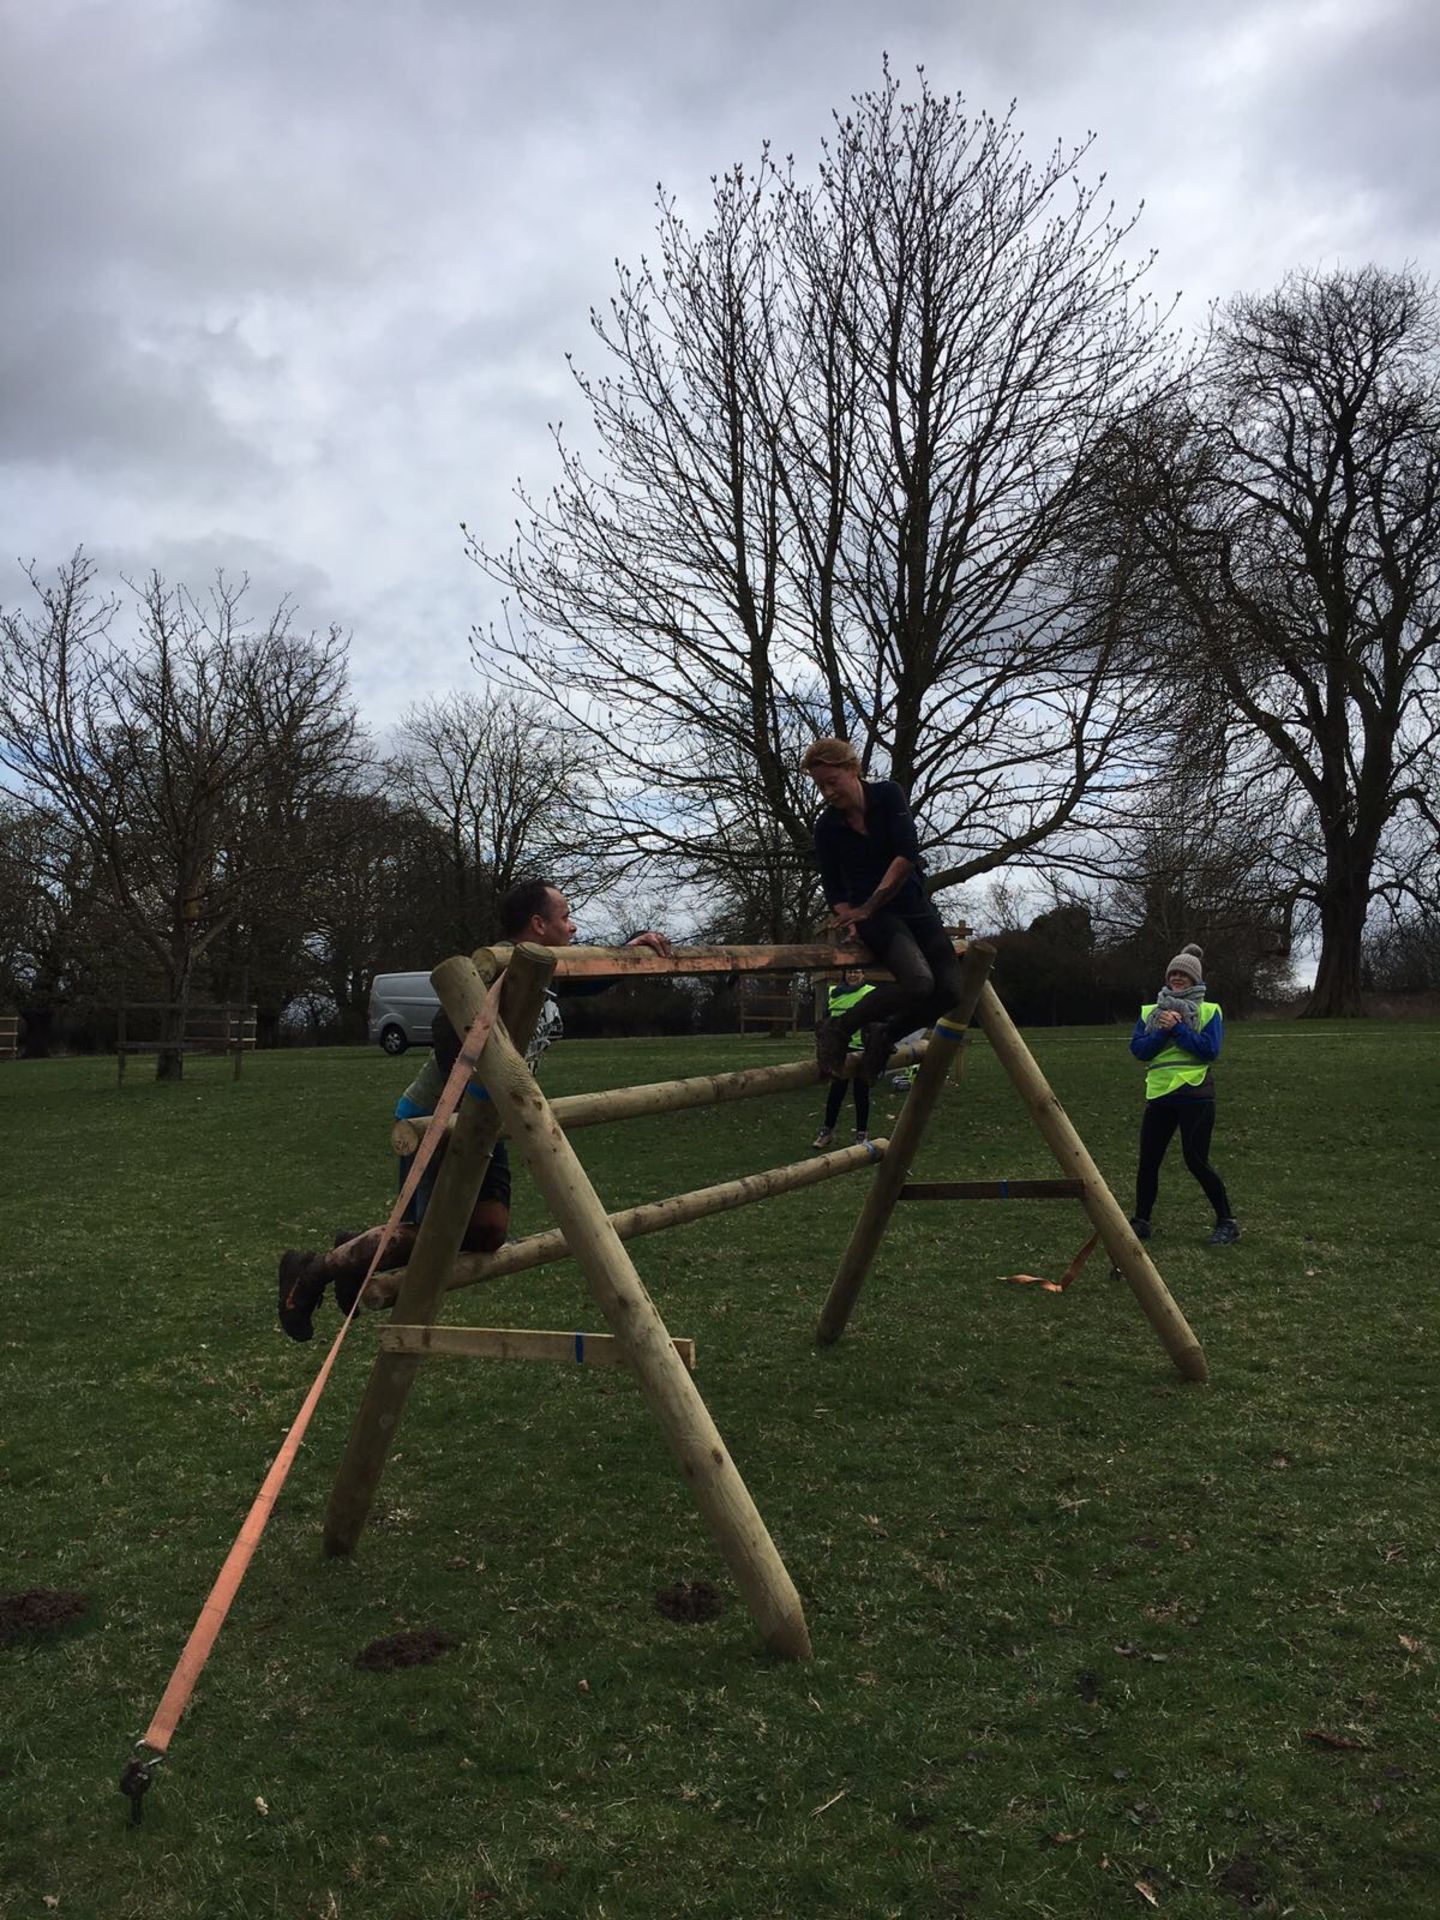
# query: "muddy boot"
{"type": "Point", "coordinates": [301, 1289]}
{"type": "Point", "coordinates": [832, 1042]}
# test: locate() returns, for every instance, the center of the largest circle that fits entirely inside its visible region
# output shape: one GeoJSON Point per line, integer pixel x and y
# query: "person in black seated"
{"type": "Point", "coordinates": [870, 871]}
{"type": "Point", "coordinates": [533, 910]}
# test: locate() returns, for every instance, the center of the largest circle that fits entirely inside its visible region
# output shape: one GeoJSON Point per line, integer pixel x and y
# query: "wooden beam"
{"type": "Point", "coordinates": [572, 963]}
{"type": "Point", "coordinates": [574, 1110]}
{"type": "Point", "coordinates": [540, 1249]}
{"type": "Point", "coordinates": [518, 1343]}
{"type": "Point", "coordinates": [730, 1513]}
{"type": "Point", "coordinates": [1125, 1251]}
{"type": "Point", "coordinates": [920, 1103]}
{"type": "Point", "coordinates": [992, 1190]}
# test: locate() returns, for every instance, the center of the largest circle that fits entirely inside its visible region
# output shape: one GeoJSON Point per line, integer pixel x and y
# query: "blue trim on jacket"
{"type": "Point", "coordinates": [1204, 1045]}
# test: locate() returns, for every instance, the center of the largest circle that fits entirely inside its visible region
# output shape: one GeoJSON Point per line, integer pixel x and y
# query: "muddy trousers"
{"type": "Point", "coordinates": [917, 950]}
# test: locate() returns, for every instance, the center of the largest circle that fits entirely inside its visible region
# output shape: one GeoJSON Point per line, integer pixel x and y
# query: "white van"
{"type": "Point", "coordinates": [402, 1005]}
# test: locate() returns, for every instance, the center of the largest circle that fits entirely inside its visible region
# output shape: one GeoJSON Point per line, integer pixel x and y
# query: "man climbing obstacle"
{"type": "Point", "coordinates": [535, 911]}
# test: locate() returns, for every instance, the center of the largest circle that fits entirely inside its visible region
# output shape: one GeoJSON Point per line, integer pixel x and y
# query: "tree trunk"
{"type": "Point", "coordinates": [39, 1031]}
{"type": "Point", "coordinates": [170, 1060]}
{"type": "Point", "coordinates": [1336, 993]}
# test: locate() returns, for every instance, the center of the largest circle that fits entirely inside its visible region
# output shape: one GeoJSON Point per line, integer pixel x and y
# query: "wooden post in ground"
{"type": "Point", "coordinates": [438, 1242]}
{"type": "Point", "coordinates": [1125, 1251]}
{"type": "Point", "coordinates": [240, 1021]}
{"type": "Point", "coordinates": [904, 1144]}
{"type": "Point", "coordinates": [730, 1513]}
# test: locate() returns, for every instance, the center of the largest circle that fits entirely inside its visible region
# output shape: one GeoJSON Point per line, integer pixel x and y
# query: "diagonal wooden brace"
{"type": "Point", "coordinates": [631, 1314]}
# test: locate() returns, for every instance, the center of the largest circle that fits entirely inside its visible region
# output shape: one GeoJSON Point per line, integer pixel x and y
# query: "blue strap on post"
{"type": "Point", "coordinates": [1004, 1189]}
{"type": "Point", "coordinates": [579, 1349]}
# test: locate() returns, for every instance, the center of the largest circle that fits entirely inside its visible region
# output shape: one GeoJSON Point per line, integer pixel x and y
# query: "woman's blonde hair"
{"type": "Point", "coordinates": [830, 752]}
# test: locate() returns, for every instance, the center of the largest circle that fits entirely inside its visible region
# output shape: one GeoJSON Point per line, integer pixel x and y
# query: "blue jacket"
{"type": "Point", "coordinates": [1187, 1053]}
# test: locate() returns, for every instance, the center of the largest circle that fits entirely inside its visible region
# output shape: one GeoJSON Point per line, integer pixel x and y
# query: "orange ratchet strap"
{"type": "Point", "coordinates": [135, 1778]}
{"type": "Point", "coordinates": [1070, 1274]}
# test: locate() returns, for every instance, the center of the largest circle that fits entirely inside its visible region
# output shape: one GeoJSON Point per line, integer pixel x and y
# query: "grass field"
{"type": "Point", "coordinates": [1089, 1641]}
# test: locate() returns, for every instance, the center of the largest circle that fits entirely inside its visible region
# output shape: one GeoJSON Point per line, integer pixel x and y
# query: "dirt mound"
{"type": "Point", "coordinates": [688, 1601]}
{"type": "Point", "coordinates": [40, 1610]}
{"type": "Point", "coordinates": [416, 1647]}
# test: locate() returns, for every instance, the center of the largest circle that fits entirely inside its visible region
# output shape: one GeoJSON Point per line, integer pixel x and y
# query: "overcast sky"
{"type": "Point", "coordinates": [286, 285]}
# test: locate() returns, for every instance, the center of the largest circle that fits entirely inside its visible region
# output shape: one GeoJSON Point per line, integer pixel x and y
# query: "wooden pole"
{"type": "Point", "coordinates": [240, 1020]}
{"type": "Point", "coordinates": [729, 1511]}
{"type": "Point", "coordinates": [540, 1249]}
{"type": "Point", "coordinates": [446, 1216]}
{"type": "Point", "coordinates": [673, 1096]}
{"type": "Point", "coordinates": [1125, 1251]}
{"type": "Point", "coordinates": [904, 1144]}
{"type": "Point", "coordinates": [519, 1343]}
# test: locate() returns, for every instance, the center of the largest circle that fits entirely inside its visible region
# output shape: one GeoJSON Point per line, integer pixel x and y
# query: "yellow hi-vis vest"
{"type": "Point", "coordinates": [1173, 1067]}
{"type": "Point", "coordinates": [840, 999]}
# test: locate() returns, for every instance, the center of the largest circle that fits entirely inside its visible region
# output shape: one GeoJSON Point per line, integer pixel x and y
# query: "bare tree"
{"type": "Point", "coordinates": [509, 786]}
{"type": "Point", "coordinates": [846, 433]}
{"type": "Point", "coordinates": [186, 762]}
{"type": "Point", "coordinates": [1295, 511]}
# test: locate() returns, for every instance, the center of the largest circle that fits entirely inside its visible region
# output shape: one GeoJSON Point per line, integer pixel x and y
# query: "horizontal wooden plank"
{"type": "Point", "coordinates": [992, 1190]}
{"type": "Point", "coordinates": [518, 1343]}
{"type": "Point", "coordinates": [581, 963]}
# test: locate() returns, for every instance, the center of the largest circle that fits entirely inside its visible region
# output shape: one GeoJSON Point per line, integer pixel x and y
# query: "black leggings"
{"type": "Point", "coordinates": [919, 952]}
{"type": "Point", "coordinates": [835, 1099]}
{"type": "Point", "coordinates": [1196, 1121]}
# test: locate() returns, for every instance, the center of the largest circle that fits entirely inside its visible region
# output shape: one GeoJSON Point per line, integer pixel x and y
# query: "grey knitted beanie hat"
{"type": "Point", "coordinates": [1187, 961]}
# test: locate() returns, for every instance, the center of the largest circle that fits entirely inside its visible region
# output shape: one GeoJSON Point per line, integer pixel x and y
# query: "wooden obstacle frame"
{"type": "Point", "coordinates": [766, 1008]}
{"type": "Point", "coordinates": [9, 1036]}
{"type": "Point", "coordinates": [637, 1336]}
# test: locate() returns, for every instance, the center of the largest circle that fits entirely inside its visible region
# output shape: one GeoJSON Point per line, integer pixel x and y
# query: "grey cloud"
{"type": "Point", "coordinates": [1358, 107]}
{"type": "Point", "coordinates": [300, 274]}
{"type": "Point", "coordinates": [273, 575]}
{"type": "Point", "coordinates": [86, 389]}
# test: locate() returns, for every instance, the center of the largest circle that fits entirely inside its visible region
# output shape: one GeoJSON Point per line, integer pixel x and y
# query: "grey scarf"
{"type": "Point", "coordinates": [1186, 1004]}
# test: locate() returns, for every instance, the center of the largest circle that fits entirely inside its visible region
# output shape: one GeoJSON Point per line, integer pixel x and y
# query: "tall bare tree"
{"type": "Point", "coordinates": [844, 434]}
{"type": "Point", "coordinates": [186, 760]}
{"type": "Point", "coordinates": [509, 786]}
{"type": "Point", "coordinates": [1295, 511]}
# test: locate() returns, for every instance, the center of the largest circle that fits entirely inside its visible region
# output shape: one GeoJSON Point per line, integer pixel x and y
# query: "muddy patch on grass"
{"type": "Point", "coordinates": [416, 1647]}
{"type": "Point", "coordinates": [41, 1610]}
{"type": "Point", "coordinates": [1244, 1880]}
{"type": "Point", "coordinates": [688, 1602]}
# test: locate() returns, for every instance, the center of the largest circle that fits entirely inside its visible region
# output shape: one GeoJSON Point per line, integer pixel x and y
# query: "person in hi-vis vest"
{"type": "Point", "coordinates": [1178, 1037]}
{"type": "Point", "coordinates": [847, 992]}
